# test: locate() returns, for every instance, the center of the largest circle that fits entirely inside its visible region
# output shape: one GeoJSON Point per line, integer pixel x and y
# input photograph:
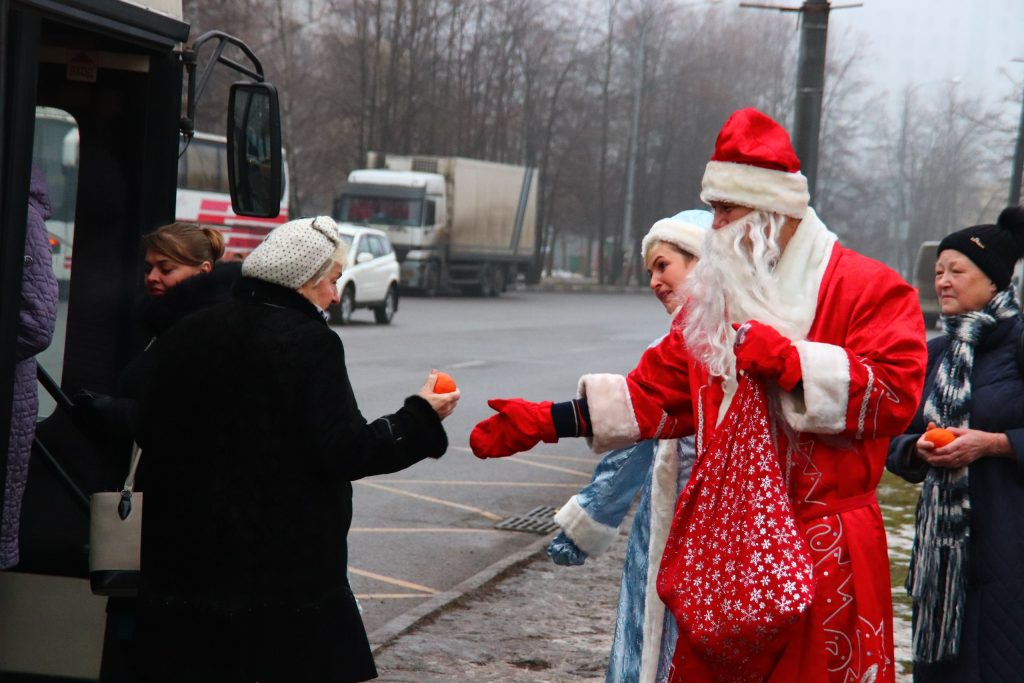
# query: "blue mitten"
{"type": "Point", "coordinates": [564, 552]}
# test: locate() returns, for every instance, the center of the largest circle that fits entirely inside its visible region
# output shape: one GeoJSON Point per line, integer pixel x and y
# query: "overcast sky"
{"type": "Point", "coordinates": [932, 42]}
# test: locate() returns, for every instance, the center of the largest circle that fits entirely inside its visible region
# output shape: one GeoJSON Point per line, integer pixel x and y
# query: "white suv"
{"type": "Point", "coordinates": [369, 278]}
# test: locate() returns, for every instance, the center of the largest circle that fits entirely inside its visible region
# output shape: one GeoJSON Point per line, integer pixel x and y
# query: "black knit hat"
{"type": "Point", "coordinates": [995, 249]}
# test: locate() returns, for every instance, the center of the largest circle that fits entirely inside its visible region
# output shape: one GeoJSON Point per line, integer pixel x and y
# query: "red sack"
{"type": "Point", "coordinates": [737, 572]}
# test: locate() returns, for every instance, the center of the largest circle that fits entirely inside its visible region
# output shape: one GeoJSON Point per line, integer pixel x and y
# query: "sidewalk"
{"type": "Point", "coordinates": [533, 622]}
{"type": "Point", "coordinates": [527, 621]}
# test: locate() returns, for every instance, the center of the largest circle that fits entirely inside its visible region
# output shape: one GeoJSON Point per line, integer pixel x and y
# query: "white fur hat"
{"type": "Point", "coordinates": [686, 230]}
{"type": "Point", "coordinates": [293, 252]}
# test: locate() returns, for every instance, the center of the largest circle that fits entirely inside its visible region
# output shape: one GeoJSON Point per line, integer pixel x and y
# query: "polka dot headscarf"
{"type": "Point", "coordinates": [294, 252]}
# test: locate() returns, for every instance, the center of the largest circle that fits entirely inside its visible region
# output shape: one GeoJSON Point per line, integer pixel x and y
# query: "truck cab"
{"type": "Point", "coordinates": [457, 224]}
{"type": "Point", "coordinates": [410, 206]}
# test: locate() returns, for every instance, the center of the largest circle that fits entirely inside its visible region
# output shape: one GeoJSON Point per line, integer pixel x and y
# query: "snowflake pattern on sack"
{"type": "Point", "coordinates": [740, 572]}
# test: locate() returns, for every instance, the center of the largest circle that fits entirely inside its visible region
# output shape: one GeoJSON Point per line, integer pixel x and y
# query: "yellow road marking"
{"type": "Point", "coordinates": [393, 581]}
{"type": "Point", "coordinates": [531, 454]}
{"type": "Point", "coordinates": [463, 482]}
{"type": "Point", "coordinates": [431, 499]}
{"type": "Point", "coordinates": [423, 530]}
{"type": "Point", "coordinates": [554, 468]}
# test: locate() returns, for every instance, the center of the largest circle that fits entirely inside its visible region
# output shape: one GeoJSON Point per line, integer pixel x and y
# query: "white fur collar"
{"type": "Point", "coordinates": [801, 269]}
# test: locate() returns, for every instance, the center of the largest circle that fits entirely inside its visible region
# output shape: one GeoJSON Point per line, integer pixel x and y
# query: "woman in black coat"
{"type": "Point", "coordinates": [251, 436]}
{"type": "Point", "coordinates": [184, 273]}
{"type": "Point", "coordinates": [965, 577]}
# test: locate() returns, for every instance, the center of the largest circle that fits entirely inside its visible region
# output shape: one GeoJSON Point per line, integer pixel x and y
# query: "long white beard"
{"type": "Point", "coordinates": [733, 282]}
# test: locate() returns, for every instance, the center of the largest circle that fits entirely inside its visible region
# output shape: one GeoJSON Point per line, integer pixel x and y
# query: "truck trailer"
{"type": "Point", "coordinates": [456, 224]}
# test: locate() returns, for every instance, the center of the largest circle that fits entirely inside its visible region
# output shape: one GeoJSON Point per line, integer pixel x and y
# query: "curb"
{"type": "Point", "coordinates": [590, 287]}
{"type": "Point", "coordinates": [383, 636]}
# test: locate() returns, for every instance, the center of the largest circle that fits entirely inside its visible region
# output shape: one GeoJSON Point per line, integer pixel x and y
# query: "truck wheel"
{"type": "Point", "coordinates": [499, 283]}
{"type": "Point", "coordinates": [384, 313]}
{"type": "Point", "coordinates": [487, 281]}
{"type": "Point", "coordinates": [343, 311]}
{"type": "Point", "coordinates": [432, 281]}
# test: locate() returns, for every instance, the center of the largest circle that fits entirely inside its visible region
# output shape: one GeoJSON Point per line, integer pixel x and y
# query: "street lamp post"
{"type": "Point", "coordinates": [1018, 156]}
{"type": "Point", "coordinates": [634, 141]}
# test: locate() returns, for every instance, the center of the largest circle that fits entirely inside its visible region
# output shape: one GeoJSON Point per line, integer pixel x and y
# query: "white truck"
{"type": "Point", "coordinates": [456, 223]}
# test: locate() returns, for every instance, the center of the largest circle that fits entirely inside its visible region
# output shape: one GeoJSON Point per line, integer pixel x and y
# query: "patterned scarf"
{"type": "Point", "coordinates": [938, 563]}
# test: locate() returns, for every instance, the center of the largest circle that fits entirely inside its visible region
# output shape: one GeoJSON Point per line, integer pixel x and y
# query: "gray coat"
{"type": "Point", "coordinates": [37, 318]}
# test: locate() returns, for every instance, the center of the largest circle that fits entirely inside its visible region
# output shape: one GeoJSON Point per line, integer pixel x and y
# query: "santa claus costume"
{"type": "Point", "coordinates": [858, 354]}
{"type": "Point", "coordinates": [843, 357]}
{"type": "Point", "coordinates": [645, 632]}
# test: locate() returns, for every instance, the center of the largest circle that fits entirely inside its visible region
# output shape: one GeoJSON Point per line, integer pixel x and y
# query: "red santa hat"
{"type": "Point", "coordinates": [754, 165]}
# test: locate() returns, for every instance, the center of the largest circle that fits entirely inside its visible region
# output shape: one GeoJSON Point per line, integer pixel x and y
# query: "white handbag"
{"type": "Point", "coordinates": [115, 533]}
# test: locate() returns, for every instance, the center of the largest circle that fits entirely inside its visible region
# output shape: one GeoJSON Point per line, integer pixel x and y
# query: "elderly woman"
{"type": "Point", "coordinates": [645, 634]}
{"type": "Point", "coordinates": [965, 577]}
{"type": "Point", "coordinates": [251, 436]}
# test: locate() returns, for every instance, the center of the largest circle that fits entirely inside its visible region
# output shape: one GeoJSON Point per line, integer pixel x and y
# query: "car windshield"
{"type": "Point", "coordinates": [347, 239]}
{"type": "Point", "coordinates": [381, 210]}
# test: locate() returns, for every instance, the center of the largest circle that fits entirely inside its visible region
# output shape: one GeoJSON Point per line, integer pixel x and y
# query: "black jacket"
{"type": "Point", "coordinates": [251, 435]}
{"type": "Point", "coordinates": [992, 647]}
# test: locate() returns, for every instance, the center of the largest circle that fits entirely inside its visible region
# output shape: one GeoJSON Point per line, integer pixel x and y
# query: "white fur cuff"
{"type": "Point", "coordinates": [822, 407]}
{"type": "Point", "coordinates": [756, 187]}
{"type": "Point", "coordinates": [590, 536]}
{"type": "Point", "coordinates": [611, 411]}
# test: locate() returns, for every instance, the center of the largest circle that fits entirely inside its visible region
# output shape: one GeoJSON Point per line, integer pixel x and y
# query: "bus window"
{"type": "Point", "coordinates": [203, 167]}
{"type": "Point", "coordinates": [55, 152]}
{"type": "Point", "coordinates": [203, 196]}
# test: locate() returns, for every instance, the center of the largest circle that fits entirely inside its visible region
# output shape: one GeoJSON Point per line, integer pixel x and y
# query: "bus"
{"type": "Point", "coordinates": [202, 196]}
{"type": "Point", "coordinates": [94, 93]}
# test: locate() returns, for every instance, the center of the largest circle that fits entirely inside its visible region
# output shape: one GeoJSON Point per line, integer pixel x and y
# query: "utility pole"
{"type": "Point", "coordinates": [810, 80]}
{"type": "Point", "coordinates": [634, 142]}
{"type": "Point", "coordinates": [1018, 157]}
{"type": "Point", "coordinates": [810, 84]}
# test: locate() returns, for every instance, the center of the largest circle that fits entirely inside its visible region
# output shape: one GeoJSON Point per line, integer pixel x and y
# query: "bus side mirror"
{"type": "Point", "coordinates": [254, 150]}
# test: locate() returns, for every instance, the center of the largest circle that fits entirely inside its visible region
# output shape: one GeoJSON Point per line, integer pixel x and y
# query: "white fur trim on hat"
{"type": "Point", "coordinates": [756, 187]}
{"type": "Point", "coordinates": [685, 234]}
{"type": "Point", "coordinates": [294, 252]}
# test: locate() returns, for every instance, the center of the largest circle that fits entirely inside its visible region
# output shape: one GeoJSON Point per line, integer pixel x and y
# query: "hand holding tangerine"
{"type": "Point", "coordinates": [444, 384]}
{"type": "Point", "coordinates": [939, 436]}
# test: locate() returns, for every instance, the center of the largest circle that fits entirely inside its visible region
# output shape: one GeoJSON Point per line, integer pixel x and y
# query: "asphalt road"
{"type": "Point", "coordinates": [423, 531]}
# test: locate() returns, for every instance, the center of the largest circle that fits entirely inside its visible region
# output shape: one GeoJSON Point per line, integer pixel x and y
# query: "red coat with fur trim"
{"type": "Point", "coordinates": [862, 362]}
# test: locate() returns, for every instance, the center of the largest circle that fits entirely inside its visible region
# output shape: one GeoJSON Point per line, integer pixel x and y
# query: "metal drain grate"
{"type": "Point", "coordinates": [536, 521]}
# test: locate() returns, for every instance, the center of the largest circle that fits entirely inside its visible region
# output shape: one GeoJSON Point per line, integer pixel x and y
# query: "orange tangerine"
{"type": "Point", "coordinates": [445, 384]}
{"type": "Point", "coordinates": [939, 436]}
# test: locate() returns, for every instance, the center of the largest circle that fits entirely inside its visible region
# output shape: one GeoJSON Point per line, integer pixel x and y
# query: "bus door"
{"type": "Point", "coordinates": [112, 68]}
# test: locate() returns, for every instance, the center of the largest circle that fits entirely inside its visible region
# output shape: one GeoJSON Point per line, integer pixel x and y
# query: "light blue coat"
{"type": "Point", "coordinates": [645, 633]}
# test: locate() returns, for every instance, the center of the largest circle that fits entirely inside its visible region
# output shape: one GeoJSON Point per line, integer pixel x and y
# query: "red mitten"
{"type": "Point", "coordinates": [764, 353]}
{"type": "Point", "coordinates": [518, 426]}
